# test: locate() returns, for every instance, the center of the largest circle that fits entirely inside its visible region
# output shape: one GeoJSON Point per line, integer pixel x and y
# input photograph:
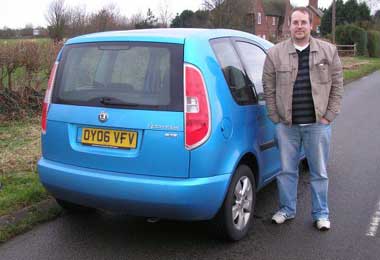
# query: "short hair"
{"type": "Point", "coordinates": [302, 9]}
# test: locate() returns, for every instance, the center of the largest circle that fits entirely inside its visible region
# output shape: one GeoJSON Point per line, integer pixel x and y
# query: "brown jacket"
{"type": "Point", "coordinates": [280, 73]}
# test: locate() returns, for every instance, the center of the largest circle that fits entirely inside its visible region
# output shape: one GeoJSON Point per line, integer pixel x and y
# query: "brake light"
{"type": "Point", "coordinates": [47, 99]}
{"type": "Point", "coordinates": [197, 109]}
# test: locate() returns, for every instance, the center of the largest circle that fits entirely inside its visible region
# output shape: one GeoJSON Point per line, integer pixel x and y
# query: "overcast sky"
{"type": "Point", "coordinates": [18, 13]}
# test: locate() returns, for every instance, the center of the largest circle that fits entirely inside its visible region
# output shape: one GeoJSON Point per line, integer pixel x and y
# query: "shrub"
{"type": "Point", "coordinates": [24, 69]}
{"type": "Point", "coordinates": [351, 34]}
{"type": "Point", "coordinates": [374, 44]}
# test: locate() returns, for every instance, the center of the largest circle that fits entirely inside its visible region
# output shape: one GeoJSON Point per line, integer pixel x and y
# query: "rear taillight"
{"type": "Point", "coordinates": [197, 108]}
{"type": "Point", "coordinates": [47, 99]}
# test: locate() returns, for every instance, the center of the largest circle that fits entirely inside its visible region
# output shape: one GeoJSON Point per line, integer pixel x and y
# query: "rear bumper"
{"type": "Point", "coordinates": [171, 198]}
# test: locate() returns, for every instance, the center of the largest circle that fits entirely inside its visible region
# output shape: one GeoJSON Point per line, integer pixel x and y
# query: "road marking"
{"type": "Point", "coordinates": [375, 222]}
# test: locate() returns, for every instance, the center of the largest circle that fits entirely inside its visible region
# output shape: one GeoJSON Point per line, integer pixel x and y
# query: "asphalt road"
{"type": "Point", "coordinates": [354, 202]}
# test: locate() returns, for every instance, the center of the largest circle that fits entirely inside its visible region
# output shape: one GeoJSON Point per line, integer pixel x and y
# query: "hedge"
{"type": "Point", "coordinates": [24, 69]}
{"type": "Point", "coordinates": [351, 34]}
{"type": "Point", "coordinates": [374, 44]}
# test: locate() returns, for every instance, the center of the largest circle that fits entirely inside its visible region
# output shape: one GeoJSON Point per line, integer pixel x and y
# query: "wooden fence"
{"type": "Point", "coordinates": [346, 50]}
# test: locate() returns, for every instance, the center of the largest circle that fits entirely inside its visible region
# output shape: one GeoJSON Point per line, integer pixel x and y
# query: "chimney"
{"type": "Point", "coordinates": [313, 3]}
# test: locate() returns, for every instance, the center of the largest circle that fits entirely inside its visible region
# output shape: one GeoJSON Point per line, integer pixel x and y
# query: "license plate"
{"type": "Point", "coordinates": [108, 137]}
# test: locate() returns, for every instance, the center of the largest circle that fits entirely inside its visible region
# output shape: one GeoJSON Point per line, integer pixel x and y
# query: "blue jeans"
{"type": "Point", "coordinates": [315, 139]}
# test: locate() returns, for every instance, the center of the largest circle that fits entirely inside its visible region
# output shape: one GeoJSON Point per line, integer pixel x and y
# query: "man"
{"type": "Point", "coordinates": [303, 86]}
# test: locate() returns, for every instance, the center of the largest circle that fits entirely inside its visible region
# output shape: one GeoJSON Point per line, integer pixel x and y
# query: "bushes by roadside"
{"type": "Point", "coordinates": [352, 34]}
{"type": "Point", "coordinates": [24, 69]}
{"type": "Point", "coordinates": [374, 44]}
{"type": "Point", "coordinates": [367, 42]}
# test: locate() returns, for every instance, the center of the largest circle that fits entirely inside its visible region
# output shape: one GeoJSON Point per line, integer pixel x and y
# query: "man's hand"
{"type": "Point", "coordinates": [324, 121]}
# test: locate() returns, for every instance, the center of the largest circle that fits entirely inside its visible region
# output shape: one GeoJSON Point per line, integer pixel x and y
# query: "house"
{"type": "Point", "coordinates": [316, 15]}
{"type": "Point", "coordinates": [272, 18]}
{"type": "Point", "coordinates": [36, 32]}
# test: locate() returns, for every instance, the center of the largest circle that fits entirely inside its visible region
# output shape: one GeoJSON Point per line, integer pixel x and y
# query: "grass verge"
{"type": "Point", "coordinates": [20, 190]}
{"type": "Point", "coordinates": [19, 146]}
{"type": "Point", "coordinates": [357, 67]}
{"type": "Point", "coordinates": [20, 186]}
{"type": "Point", "coordinates": [33, 217]}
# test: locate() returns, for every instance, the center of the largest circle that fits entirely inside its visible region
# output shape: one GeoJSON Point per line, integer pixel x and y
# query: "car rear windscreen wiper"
{"type": "Point", "coordinates": [109, 101]}
{"type": "Point", "coordinates": [116, 102]}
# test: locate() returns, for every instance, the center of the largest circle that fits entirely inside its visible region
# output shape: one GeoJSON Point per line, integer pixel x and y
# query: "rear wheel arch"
{"type": "Point", "coordinates": [250, 160]}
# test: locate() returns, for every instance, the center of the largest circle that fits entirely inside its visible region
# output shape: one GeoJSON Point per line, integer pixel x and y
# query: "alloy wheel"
{"type": "Point", "coordinates": [242, 203]}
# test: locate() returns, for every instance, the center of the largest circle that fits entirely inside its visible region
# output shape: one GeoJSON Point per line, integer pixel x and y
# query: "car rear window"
{"type": "Point", "coordinates": [137, 75]}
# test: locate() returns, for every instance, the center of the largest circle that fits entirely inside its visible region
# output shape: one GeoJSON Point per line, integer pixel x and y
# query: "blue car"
{"type": "Point", "coordinates": [164, 123]}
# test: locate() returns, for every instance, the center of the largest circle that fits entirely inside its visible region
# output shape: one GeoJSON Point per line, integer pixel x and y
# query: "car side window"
{"type": "Point", "coordinates": [233, 71]}
{"type": "Point", "coordinates": [253, 58]}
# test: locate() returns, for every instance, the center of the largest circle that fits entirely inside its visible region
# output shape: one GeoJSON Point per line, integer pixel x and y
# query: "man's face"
{"type": "Point", "coordinates": [300, 26]}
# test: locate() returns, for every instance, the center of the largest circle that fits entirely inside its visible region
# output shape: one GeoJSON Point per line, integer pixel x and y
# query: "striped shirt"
{"type": "Point", "coordinates": [303, 104]}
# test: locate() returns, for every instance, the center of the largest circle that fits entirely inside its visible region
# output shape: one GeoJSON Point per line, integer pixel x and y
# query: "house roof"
{"type": "Point", "coordinates": [274, 7]}
{"type": "Point", "coordinates": [315, 10]}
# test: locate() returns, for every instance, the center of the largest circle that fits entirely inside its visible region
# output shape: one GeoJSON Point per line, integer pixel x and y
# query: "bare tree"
{"type": "Point", "coordinates": [2, 64]}
{"type": "Point", "coordinates": [57, 17]}
{"type": "Point", "coordinates": [212, 4]}
{"type": "Point", "coordinates": [150, 21]}
{"type": "Point", "coordinates": [217, 12]}
{"type": "Point", "coordinates": [228, 13]}
{"type": "Point", "coordinates": [11, 61]}
{"type": "Point", "coordinates": [137, 18]}
{"type": "Point", "coordinates": [29, 58]}
{"type": "Point", "coordinates": [78, 20]}
{"type": "Point", "coordinates": [107, 18]}
{"type": "Point", "coordinates": [164, 14]}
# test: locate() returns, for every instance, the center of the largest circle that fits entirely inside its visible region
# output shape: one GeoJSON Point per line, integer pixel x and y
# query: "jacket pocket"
{"type": "Point", "coordinates": [283, 74]}
{"type": "Point", "coordinates": [322, 70]}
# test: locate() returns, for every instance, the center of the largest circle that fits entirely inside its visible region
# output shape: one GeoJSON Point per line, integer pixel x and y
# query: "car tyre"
{"type": "Point", "coordinates": [72, 207]}
{"type": "Point", "coordinates": [235, 218]}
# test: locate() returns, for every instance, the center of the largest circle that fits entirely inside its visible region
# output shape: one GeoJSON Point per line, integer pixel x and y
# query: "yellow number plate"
{"type": "Point", "coordinates": [106, 137]}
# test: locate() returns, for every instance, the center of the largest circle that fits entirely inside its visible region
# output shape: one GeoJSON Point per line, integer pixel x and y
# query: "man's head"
{"type": "Point", "coordinates": [300, 24]}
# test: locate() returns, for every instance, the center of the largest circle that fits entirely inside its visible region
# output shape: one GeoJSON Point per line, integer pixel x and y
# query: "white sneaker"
{"type": "Point", "coordinates": [279, 218]}
{"type": "Point", "coordinates": [323, 224]}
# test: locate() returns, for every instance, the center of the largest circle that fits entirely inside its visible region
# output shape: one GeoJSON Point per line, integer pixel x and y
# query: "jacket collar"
{"type": "Point", "coordinates": [291, 49]}
{"type": "Point", "coordinates": [313, 45]}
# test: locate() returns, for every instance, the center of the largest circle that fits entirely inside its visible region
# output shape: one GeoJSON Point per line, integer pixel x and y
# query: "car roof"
{"type": "Point", "coordinates": [167, 35]}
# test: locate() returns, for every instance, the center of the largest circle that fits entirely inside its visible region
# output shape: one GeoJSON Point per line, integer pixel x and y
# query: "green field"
{"type": "Point", "coordinates": [40, 40]}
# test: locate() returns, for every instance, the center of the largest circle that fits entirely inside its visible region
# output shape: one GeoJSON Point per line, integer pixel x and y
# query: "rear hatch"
{"type": "Point", "coordinates": [118, 106]}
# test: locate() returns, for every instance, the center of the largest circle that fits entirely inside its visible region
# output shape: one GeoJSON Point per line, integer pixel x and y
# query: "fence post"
{"type": "Point", "coordinates": [355, 49]}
